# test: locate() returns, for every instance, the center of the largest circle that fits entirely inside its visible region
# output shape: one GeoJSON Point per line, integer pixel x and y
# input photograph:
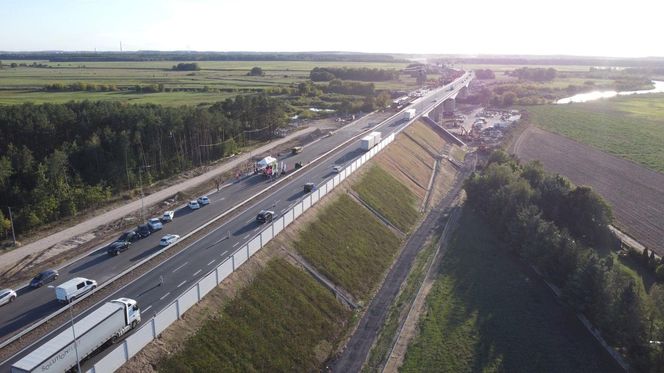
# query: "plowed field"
{"type": "Point", "coordinates": [635, 193]}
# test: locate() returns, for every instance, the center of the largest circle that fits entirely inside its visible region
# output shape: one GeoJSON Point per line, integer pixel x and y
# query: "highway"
{"type": "Point", "coordinates": [198, 258]}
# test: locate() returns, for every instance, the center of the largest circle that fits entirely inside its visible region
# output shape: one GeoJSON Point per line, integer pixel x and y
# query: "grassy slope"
{"type": "Point", "coordinates": [628, 127]}
{"type": "Point", "coordinates": [349, 245]}
{"type": "Point", "coordinates": [485, 315]}
{"type": "Point", "coordinates": [390, 198]}
{"type": "Point", "coordinates": [283, 321]}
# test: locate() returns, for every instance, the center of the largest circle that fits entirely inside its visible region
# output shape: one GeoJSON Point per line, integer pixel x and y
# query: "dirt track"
{"type": "Point", "coordinates": [635, 193]}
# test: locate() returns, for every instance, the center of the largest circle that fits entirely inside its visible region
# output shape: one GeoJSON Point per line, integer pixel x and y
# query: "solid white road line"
{"type": "Point", "coordinates": [164, 296]}
{"type": "Point", "coordinates": [197, 272]}
{"type": "Point", "coordinates": [182, 283]}
{"type": "Point", "coordinates": [185, 263]}
{"type": "Point", "coordinates": [212, 261]}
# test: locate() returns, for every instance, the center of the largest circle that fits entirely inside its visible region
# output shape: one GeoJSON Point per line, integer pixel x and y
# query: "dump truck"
{"type": "Point", "coordinates": [107, 323]}
{"type": "Point", "coordinates": [409, 114]}
{"type": "Point", "coordinates": [370, 140]}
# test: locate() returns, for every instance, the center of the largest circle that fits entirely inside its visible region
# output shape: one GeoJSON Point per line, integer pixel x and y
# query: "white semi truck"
{"type": "Point", "coordinates": [108, 322]}
{"type": "Point", "coordinates": [409, 114]}
{"type": "Point", "coordinates": [370, 140]}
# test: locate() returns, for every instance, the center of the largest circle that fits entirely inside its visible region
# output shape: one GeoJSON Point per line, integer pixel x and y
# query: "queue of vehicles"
{"type": "Point", "coordinates": [115, 318]}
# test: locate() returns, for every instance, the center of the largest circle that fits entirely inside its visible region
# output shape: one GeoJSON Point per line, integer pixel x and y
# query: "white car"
{"type": "Point", "coordinates": [203, 200]}
{"type": "Point", "coordinates": [155, 224]}
{"type": "Point", "coordinates": [337, 168]}
{"type": "Point", "coordinates": [169, 239]}
{"type": "Point", "coordinates": [7, 296]}
{"type": "Point", "coordinates": [168, 216]}
{"type": "Point", "coordinates": [194, 205]}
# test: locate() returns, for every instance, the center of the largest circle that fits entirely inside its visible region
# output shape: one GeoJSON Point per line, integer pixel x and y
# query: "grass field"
{"type": "Point", "coordinates": [349, 245]}
{"type": "Point", "coordinates": [485, 315]}
{"type": "Point", "coordinates": [631, 127]}
{"type": "Point", "coordinates": [389, 197]}
{"type": "Point", "coordinates": [23, 84]}
{"type": "Point", "coordinates": [283, 321]}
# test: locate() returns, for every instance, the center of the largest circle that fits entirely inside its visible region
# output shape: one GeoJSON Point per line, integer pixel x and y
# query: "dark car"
{"type": "Point", "coordinates": [44, 277]}
{"type": "Point", "coordinates": [309, 187]}
{"type": "Point", "coordinates": [264, 216]}
{"type": "Point", "coordinates": [117, 247]}
{"type": "Point", "coordinates": [143, 230]}
{"type": "Point", "coordinates": [129, 236]}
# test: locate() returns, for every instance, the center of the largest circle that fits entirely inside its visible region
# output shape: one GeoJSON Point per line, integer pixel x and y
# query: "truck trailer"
{"type": "Point", "coordinates": [370, 140]}
{"type": "Point", "coordinates": [108, 322]}
{"type": "Point", "coordinates": [409, 114]}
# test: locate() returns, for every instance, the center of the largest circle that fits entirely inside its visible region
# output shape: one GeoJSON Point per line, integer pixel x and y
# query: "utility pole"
{"type": "Point", "coordinates": [11, 219]}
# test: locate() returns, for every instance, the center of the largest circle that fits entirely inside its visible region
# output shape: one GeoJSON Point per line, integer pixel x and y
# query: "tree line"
{"type": "Point", "coordinates": [560, 228]}
{"type": "Point", "coordinates": [186, 66]}
{"type": "Point", "coordinates": [484, 74]}
{"type": "Point", "coordinates": [59, 159]}
{"type": "Point", "coordinates": [326, 74]}
{"type": "Point", "coordinates": [537, 74]}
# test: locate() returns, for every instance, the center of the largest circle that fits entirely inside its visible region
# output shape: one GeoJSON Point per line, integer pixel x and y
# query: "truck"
{"type": "Point", "coordinates": [370, 140]}
{"type": "Point", "coordinates": [107, 323]}
{"type": "Point", "coordinates": [409, 114]}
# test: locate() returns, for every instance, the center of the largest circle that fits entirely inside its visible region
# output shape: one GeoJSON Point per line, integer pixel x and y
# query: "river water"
{"type": "Point", "coordinates": [595, 95]}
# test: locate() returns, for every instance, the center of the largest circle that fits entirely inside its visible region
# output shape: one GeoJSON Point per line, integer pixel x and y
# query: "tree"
{"type": "Point", "coordinates": [587, 215]}
{"type": "Point", "coordinates": [509, 98]}
{"type": "Point", "coordinates": [256, 71]}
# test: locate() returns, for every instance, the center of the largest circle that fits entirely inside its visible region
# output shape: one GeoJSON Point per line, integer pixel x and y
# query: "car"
{"type": "Point", "coordinates": [169, 239]}
{"type": "Point", "coordinates": [129, 236]}
{"type": "Point", "coordinates": [264, 216]}
{"type": "Point", "coordinates": [309, 187]}
{"type": "Point", "coordinates": [44, 277]}
{"type": "Point", "coordinates": [7, 296]}
{"type": "Point", "coordinates": [337, 168]}
{"type": "Point", "coordinates": [168, 216]}
{"type": "Point", "coordinates": [194, 205]}
{"type": "Point", "coordinates": [203, 201]}
{"type": "Point", "coordinates": [143, 230]}
{"type": "Point", "coordinates": [155, 224]}
{"type": "Point", "coordinates": [116, 247]}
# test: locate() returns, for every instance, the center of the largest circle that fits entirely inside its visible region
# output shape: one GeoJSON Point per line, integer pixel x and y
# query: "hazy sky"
{"type": "Point", "coordinates": [576, 27]}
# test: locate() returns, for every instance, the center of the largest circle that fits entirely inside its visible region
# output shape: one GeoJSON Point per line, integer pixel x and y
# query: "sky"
{"type": "Point", "coordinates": [568, 27]}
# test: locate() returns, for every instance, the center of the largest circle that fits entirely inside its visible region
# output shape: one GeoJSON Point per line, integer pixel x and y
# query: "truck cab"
{"type": "Point", "coordinates": [132, 315]}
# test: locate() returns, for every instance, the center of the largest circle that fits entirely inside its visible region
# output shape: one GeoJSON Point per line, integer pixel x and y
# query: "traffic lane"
{"type": "Point", "coordinates": [318, 168]}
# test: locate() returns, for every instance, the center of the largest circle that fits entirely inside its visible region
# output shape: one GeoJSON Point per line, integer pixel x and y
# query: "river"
{"type": "Point", "coordinates": [595, 95]}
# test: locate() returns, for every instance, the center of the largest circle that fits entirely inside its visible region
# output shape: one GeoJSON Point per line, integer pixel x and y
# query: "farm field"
{"type": "Point", "coordinates": [630, 127]}
{"type": "Point", "coordinates": [25, 84]}
{"type": "Point", "coordinates": [635, 193]}
{"type": "Point", "coordinates": [484, 314]}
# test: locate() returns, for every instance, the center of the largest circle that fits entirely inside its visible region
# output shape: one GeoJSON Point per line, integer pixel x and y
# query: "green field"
{"type": "Point", "coordinates": [23, 84]}
{"type": "Point", "coordinates": [283, 321]}
{"type": "Point", "coordinates": [389, 197]}
{"type": "Point", "coordinates": [631, 127]}
{"type": "Point", "coordinates": [485, 315]}
{"type": "Point", "coordinates": [348, 245]}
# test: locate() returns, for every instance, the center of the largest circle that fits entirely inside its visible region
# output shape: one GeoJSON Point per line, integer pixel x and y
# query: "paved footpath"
{"type": "Point", "coordinates": [14, 256]}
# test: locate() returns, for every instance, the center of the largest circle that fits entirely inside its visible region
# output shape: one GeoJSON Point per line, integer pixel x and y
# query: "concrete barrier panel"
{"type": "Point", "coordinates": [322, 190]}
{"type": "Point", "coordinates": [306, 203]}
{"type": "Point", "coordinates": [208, 283]}
{"type": "Point", "coordinates": [329, 185]}
{"type": "Point", "coordinates": [255, 244]}
{"type": "Point", "coordinates": [240, 257]}
{"type": "Point", "coordinates": [225, 269]}
{"type": "Point", "coordinates": [138, 340]}
{"type": "Point", "coordinates": [297, 210]}
{"type": "Point", "coordinates": [314, 197]}
{"type": "Point", "coordinates": [113, 361]}
{"type": "Point", "coordinates": [337, 180]}
{"type": "Point", "coordinates": [288, 217]}
{"type": "Point", "coordinates": [266, 236]}
{"type": "Point", "coordinates": [277, 226]}
{"type": "Point", "coordinates": [342, 176]}
{"type": "Point", "coordinates": [165, 318]}
{"type": "Point", "coordinates": [188, 299]}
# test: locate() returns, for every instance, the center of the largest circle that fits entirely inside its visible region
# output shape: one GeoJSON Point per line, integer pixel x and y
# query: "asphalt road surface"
{"type": "Point", "coordinates": [196, 260]}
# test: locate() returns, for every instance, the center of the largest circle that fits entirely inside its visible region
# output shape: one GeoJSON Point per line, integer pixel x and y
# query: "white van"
{"type": "Point", "coordinates": [74, 288]}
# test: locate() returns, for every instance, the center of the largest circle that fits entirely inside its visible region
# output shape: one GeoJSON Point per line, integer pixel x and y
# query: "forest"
{"type": "Point", "coordinates": [59, 159]}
